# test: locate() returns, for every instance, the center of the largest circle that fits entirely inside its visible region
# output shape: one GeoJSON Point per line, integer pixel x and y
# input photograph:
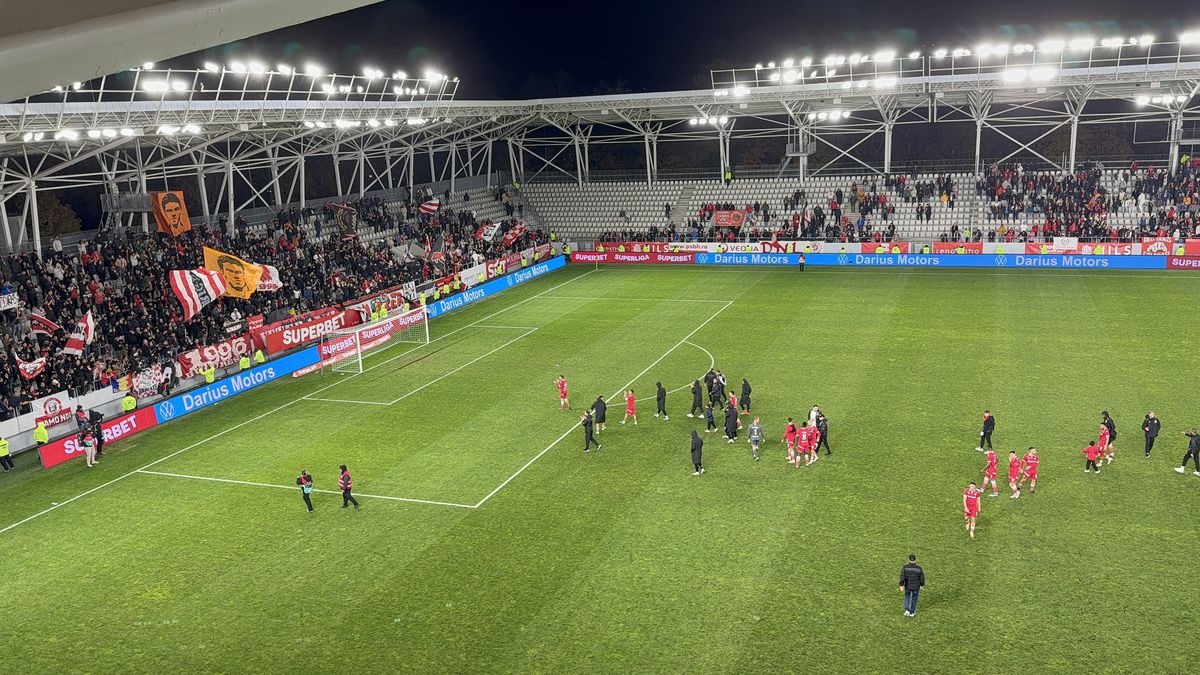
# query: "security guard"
{"type": "Point", "coordinates": [880, 249]}
{"type": "Point", "coordinates": [566, 250]}
{"type": "Point", "coordinates": [258, 357]}
{"type": "Point", "coordinates": [553, 236]}
{"type": "Point", "coordinates": [383, 311]}
{"type": "Point", "coordinates": [128, 403]}
{"type": "Point", "coordinates": [40, 435]}
{"type": "Point", "coordinates": [244, 362]}
{"type": "Point", "coordinates": [422, 298]}
{"type": "Point", "coordinates": [437, 293]}
{"type": "Point", "coordinates": [5, 458]}
{"type": "Point", "coordinates": [895, 248]}
{"type": "Point", "coordinates": [209, 373]}
{"type": "Point", "coordinates": [1000, 250]}
{"type": "Point", "coordinates": [457, 284]}
{"type": "Point", "coordinates": [524, 262]}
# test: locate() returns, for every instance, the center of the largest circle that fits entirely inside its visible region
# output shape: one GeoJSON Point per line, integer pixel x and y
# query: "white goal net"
{"type": "Point", "coordinates": [343, 350]}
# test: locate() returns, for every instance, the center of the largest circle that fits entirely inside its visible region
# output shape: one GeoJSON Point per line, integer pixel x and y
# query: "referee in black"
{"type": "Point", "coordinates": [660, 398]}
{"type": "Point", "coordinates": [1151, 426]}
{"type": "Point", "coordinates": [589, 436]}
{"type": "Point", "coordinates": [697, 400]}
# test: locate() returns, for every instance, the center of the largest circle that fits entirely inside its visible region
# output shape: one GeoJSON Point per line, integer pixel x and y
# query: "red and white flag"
{"type": "Point", "coordinates": [487, 232]}
{"type": "Point", "coordinates": [31, 369]}
{"type": "Point", "coordinates": [196, 289]}
{"type": "Point", "coordinates": [270, 280]}
{"type": "Point", "coordinates": [81, 337]}
{"type": "Point", "coordinates": [430, 207]}
{"type": "Point", "coordinates": [40, 325]}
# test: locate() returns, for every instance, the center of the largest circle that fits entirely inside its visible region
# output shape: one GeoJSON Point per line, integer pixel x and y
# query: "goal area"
{"type": "Point", "coordinates": [343, 350]}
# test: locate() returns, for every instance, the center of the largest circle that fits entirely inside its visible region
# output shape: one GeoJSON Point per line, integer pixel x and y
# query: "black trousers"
{"type": "Point", "coordinates": [307, 500]}
{"type": "Point", "coordinates": [697, 407]}
{"type": "Point", "coordinates": [1091, 464]}
{"type": "Point", "coordinates": [1195, 456]}
{"type": "Point", "coordinates": [825, 442]}
{"type": "Point", "coordinates": [662, 407]}
{"type": "Point", "coordinates": [348, 499]}
{"type": "Point", "coordinates": [1149, 444]}
{"type": "Point", "coordinates": [6, 462]}
{"type": "Point", "coordinates": [589, 439]}
{"type": "Point", "coordinates": [985, 437]}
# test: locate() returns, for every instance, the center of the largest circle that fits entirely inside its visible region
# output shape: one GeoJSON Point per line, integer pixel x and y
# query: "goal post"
{"type": "Point", "coordinates": [343, 350]}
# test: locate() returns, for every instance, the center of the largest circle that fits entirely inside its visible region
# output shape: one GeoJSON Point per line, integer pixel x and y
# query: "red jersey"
{"type": "Point", "coordinates": [1014, 468]}
{"type": "Point", "coordinates": [562, 387]}
{"type": "Point", "coordinates": [629, 407]}
{"type": "Point", "coordinates": [1103, 435]}
{"type": "Point", "coordinates": [1092, 452]}
{"type": "Point", "coordinates": [803, 437]}
{"type": "Point", "coordinates": [972, 496]}
{"type": "Point", "coordinates": [1031, 464]}
{"type": "Point", "coordinates": [992, 460]}
{"type": "Point", "coordinates": [790, 434]}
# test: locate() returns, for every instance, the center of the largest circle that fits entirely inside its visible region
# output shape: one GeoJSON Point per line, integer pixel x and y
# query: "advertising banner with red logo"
{"type": "Point", "coordinates": [1178, 262]}
{"type": "Point", "coordinates": [53, 409]}
{"type": "Point", "coordinates": [255, 321]}
{"type": "Point", "coordinates": [64, 449]}
{"type": "Point", "coordinates": [888, 247]}
{"type": "Point", "coordinates": [333, 351]}
{"type": "Point", "coordinates": [652, 258]}
{"type": "Point", "coordinates": [1089, 248]}
{"type": "Point", "coordinates": [305, 332]}
{"type": "Point", "coordinates": [729, 218]}
{"type": "Point", "coordinates": [260, 335]}
{"type": "Point", "coordinates": [952, 246]}
{"type": "Point", "coordinates": [220, 355]}
{"type": "Point", "coordinates": [1158, 246]}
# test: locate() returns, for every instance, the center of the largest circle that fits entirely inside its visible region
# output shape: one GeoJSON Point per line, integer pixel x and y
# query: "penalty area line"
{"type": "Point", "coordinates": [293, 487]}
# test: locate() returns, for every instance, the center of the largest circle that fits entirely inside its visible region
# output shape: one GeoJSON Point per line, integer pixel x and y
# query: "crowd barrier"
{"type": "Point", "coordinates": [930, 260]}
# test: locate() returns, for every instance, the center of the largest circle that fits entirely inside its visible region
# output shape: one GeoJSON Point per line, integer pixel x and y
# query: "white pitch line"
{"type": "Point", "coordinates": [293, 487]}
{"type": "Point", "coordinates": [712, 363]}
{"type": "Point", "coordinates": [621, 297]}
{"type": "Point", "coordinates": [618, 393]}
{"type": "Point", "coordinates": [342, 400]}
{"type": "Point", "coordinates": [474, 360]}
{"type": "Point", "coordinates": [274, 410]}
{"type": "Point", "coordinates": [512, 327]}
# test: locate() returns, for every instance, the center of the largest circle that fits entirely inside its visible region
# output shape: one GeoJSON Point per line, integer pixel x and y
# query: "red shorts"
{"type": "Point", "coordinates": [971, 512]}
{"type": "Point", "coordinates": [562, 395]}
{"type": "Point", "coordinates": [792, 445]}
{"type": "Point", "coordinates": [989, 476]}
{"type": "Point", "coordinates": [1013, 477]}
{"type": "Point", "coordinates": [630, 411]}
{"type": "Point", "coordinates": [1031, 475]}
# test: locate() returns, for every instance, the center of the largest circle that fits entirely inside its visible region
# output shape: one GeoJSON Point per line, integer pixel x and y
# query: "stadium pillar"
{"type": "Point", "coordinates": [362, 172]}
{"type": "Point", "coordinates": [35, 219]}
{"type": "Point", "coordinates": [300, 177]}
{"type": "Point", "coordinates": [204, 208]}
{"type": "Point", "coordinates": [887, 148]}
{"type": "Point", "coordinates": [1074, 143]}
{"type": "Point", "coordinates": [978, 134]}
{"type": "Point", "coordinates": [273, 153]}
{"type": "Point", "coordinates": [578, 160]}
{"type": "Point", "coordinates": [1174, 134]}
{"type": "Point", "coordinates": [4, 222]}
{"type": "Point", "coordinates": [387, 162]}
{"type": "Point", "coordinates": [141, 176]}
{"type": "Point", "coordinates": [337, 173]}
{"type": "Point", "coordinates": [411, 168]}
{"type": "Point", "coordinates": [488, 152]}
{"type": "Point", "coordinates": [649, 170]}
{"type": "Point", "coordinates": [229, 197]}
{"type": "Point", "coordinates": [453, 164]}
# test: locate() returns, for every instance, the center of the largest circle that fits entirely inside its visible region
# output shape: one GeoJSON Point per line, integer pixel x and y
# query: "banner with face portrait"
{"type": "Point", "coordinates": [241, 277]}
{"type": "Point", "coordinates": [170, 213]}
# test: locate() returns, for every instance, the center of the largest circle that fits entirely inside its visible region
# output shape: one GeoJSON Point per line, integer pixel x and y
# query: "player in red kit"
{"type": "Point", "coordinates": [563, 402]}
{"type": "Point", "coordinates": [789, 435]}
{"type": "Point", "coordinates": [989, 472]}
{"type": "Point", "coordinates": [971, 506]}
{"type": "Point", "coordinates": [630, 408]}
{"type": "Point", "coordinates": [1104, 439]}
{"type": "Point", "coordinates": [1031, 465]}
{"type": "Point", "coordinates": [733, 403]}
{"type": "Point", "coordinates": [804, 444]}
{"type": "Point", "coordinates": [1014, 474]}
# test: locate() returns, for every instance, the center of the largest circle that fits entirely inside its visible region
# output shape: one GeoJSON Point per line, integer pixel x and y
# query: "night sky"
{"type": "Point", "coordinates": [532, 49]}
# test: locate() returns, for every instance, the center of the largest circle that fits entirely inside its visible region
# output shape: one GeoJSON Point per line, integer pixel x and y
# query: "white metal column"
{"type": "Point", "coordinates": [35, 221]}
{"type": "Point", "coordinates": [300, 169]}
{"type": "Point", "coordinates": [229, 197]}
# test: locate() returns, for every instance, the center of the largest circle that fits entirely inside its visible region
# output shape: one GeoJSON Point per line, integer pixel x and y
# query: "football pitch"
{"type": "Point", "coordinates": [488, 541]}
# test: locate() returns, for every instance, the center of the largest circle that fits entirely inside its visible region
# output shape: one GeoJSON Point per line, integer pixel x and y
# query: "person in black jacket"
{"type": "Point", "coordinates": [912, 580]}
{"type": "Point", "coordinates": [744, 401]}
{"type": "Point", "coordinates": [985, 436]}
{"type": "Point", "coordinates": [660, 397]}
{"type": "Point", "coordinates": [305, 482]}
{"type": "Point", "coordinates": [1151, 426]}
{"type": "Point", "coordinates": [823, 427]}
{"type": "Point", "coordinates": [710, 419]}
{"type": "Point", "coordinates": [697, 447]}
{"type": "Point", "coordinates": [1193, 452]}
{"type": "Point", "coordinates": [710, 384]}
{"type": "Point", "coordinates": [697, 400]}
{"type": "Point", "coordinates": [599, 411]}
{"type": "Point", "coordinates": [731, 423]}
{"type": "Point", "coordinates": [589, 436]}
{"type": "Point", "coordinates": [1112, 436]}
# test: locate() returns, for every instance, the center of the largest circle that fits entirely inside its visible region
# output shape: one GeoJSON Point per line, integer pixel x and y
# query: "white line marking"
{"type": "Point", "coordinates": [512, 327]}
{"type": "Point", "coordinates": [285, 405]}
{"type": "Point", "coordinates": [618, 393]}
{"type": "Point", "coordinates": [712, 363]}
{"type": "Point", "coordinates": [343, 400]}
{"type": "Point", "coordinates": [293, 487]}
{"type": "Point", "coordinates": [621, 297]}
{"type": "Point", "coordinates": [474, 360]}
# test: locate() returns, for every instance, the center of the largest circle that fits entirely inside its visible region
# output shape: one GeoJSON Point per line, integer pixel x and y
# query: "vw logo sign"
{"type": "Point", "coordinates": [1001, 260]}
{"type": "Point", "coordinates": [843, 259]}
{"type": "Point", "coordinates": [166, 410]}
{"type": "Point", "coordinates": [509, 278]}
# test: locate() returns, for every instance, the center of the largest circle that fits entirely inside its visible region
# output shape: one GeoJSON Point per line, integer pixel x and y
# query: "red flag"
{"type": "Point", "coordinates": [82, 336]}
{"type": "Point", "coordinates": [40, 325]}
{"type": "Point", "coordinates": [430, 207]}
{"type": "Point", "coordinates": [31, 369]}
{"type": "Point", "coordinates": [196, 289]}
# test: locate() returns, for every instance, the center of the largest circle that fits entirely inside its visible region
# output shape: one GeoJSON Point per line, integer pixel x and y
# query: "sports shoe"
{"type": "Point", "coordinates": [1180, 469]}
{"type": "Point", "coordinates": [978, 449]}
{"type": "Point", "coordinates": [1097, 472]}
{"type": "Point", "coordinates": [622, 421]}
{"type": "Point", "coordinates": [908, 613]}
{"type": "Point", "coordinates": [1196, 473]}
{"type": "Point", "coordinates": [666, 419]}
{"type": "Point", "coordinates": [695, 473]}
{"type": "Point", "coordinates": [995, 494]}
{"type": "Point", "coordinates": [1087, 470]}
{"type": "Point", "coordinates": [701, 469]}
{"type": "Point", "coordinates": [691, 415]}
{"type": "Point", "coordinates": [656, 414]}
{"type": "Point", "coordinates": [599, 446]}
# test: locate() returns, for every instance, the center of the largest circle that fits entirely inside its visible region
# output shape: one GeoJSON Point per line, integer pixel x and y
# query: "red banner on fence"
{"type": "Point", "coordinates": [1158, 245]}
{"type": "Point", "coordinates": [219, 355]}
{"type": "Point", "coordinates": [64, 449]}
{"type": "Point", "coordinates": [885, 247]}
{"type": "Point", "coordinates": [1191, 247]}
{"type": "Point", "coordinates": [283, 338]}
{"type": "Point", "coordinates": [1088, 248]}
{"type": "Point", "coordinates": [1177, 262]}
{"type": "Point", "coordinates": [651, 258]}
{"type": "Point", "coordinates": [953, 246]}
{"type": "Point", "coordinates": [729, 218]}
{"type": "Point", "coordinates": [333, 351]}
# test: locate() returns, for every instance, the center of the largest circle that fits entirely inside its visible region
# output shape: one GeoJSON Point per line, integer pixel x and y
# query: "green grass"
{"type": "Point", "coordinates": [622, 560]}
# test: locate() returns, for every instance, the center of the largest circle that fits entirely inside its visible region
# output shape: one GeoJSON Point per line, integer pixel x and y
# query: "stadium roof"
{"type": "Point", "coordinates": [79, 40]}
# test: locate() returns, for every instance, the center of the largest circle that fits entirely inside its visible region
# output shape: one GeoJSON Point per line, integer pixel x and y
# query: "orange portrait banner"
{"type": "Point", "coordinates": [170, 212]}
{"type": "Point", "coordinates": [241, 277]}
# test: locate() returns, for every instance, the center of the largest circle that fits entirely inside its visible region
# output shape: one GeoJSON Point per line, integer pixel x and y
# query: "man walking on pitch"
{"type": "Point", "coordinates": [630, 408]}
{"type": "Point", "coordinates": [563, 402]}
{"type": "Point", "coordinates": [697, 458]}
{"type": "Point", "coordinates": [1151, 426]}
{"type": "Point", "coordinates": [1031, 460]}
{"type": "Point", "coordinates": [660, 399]}
{"type": "Point", "coordinates": [1109, 424]}
{"type": "Point", "coordinates": [697, 400]}
{"type": "Point", "coordinates": [989, 472]}
{"type": "Point", "coordinates": [985, 436]}
{"type": "Point", "coordinates": [1014, 474]}
{"type": "Point", "coordinates": [971, 506]}
{"type": "Point", "coordinates": [710, 419]}
{"type": "Point", "coordinates": [744, 401]}
{"type": "Point", "coordinates": [756, 437]}
{"type": "Point", "coordinates": [589, 436]}
{"type": "Point", "coordinates": [823, 431]}
{"type": "Point", "coordinates": [1193, 452]}
{"type": "Point", "coordinates": [305, 482]}
{"type": "Point", "coordinates": [731, 423]}
{"type": "Point", "coordinates": [344, 484]}
{"type": "Point", "coordinates": [912, 580]}
{"type": "Point", "coordinates": [599, 412]}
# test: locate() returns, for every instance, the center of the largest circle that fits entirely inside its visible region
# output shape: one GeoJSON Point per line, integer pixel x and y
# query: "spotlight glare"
{"type": "Point", "coordinates": [108, 133]}
{"type": "Point", "coordinates": [212, 67]}
{"type": "Point", "coordinates": [257, 67]}
{"type": "Point", "coordinates": [1142, 100]}
{"type": "Point", "coordinates": [939, 53]}
{"type": "Point", "coordinates": [313, 69]}
{"type": "Point", "coordinates": [1052, 45]}
{"type": "Point", "coordinates": [1042, 73]}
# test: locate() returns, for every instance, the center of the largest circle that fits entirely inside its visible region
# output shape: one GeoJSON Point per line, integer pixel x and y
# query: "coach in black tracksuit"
{"type": "Point", "coordinates": [731, 422]}
{"type": "Point", "coordinates": [697, 400]}
{"type": "Point", "coordinates": [697, 450]}
{"type": "Point", "coordinates": [600, 410]}
{"type": "Point", "coordinates": [1151, 426]}
{"type": "Point", "coordinates": [823, 427]}
{"type": "Point", "coordinates": [589, 436]}
{"type": "Point", "coordinates": [744, 401]}
{"type": "Point", "coordinates": [985, 436]}
{"type": "Point", "coordinates": [660, 397]}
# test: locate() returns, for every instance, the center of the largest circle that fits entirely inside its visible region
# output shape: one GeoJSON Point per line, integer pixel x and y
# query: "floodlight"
{"type": "Point", "coordinates": [863, 84]}
{"type": "Point", "coordinates": [822, 116]}
{"type": "Point", "coordinates": [237, 66]}
{"type": "Point", "coordinates": [1156, 99]}
{"type": "Point", "coordinates": [212, 67]}
{"type": "Point", "coordinates": [887, 81]}
{"type": "Point", "coordinates": [813, 73]}
{"type": "Point", "coordinates": [914, 55]}
{"type": "Point", "coordinates": [127, 132]}
{"type": "Point", "coordinates": [720, 92]}
{"type": "Point", "coordinates": [1112, 42]}
{"type": "Point", "coordinates": [1189, 37]}
{"type": "Point", "coordinates": [309, 124]}
{"type": "Point", "coordinates": [740, 91]}
{"type": "Point", "coordinates": [1146, 40]}
{"type": "Point", "coordinates": [1142, 100]}
{"type": "Point", "coordinates": [372, 122]}
{"type": "Point", "coordinates": [1181, 99]}
{"type": "Point", "coordinates": [961, 52]}
{"type": "Point", "coordinates": [774, 77]}
{"type": "Point", "coordinates": [421, 90]}
{"type": "Point", "coordinates": [344, 89]}
{"type": "Point", "coordinates": [192, 129]}
{"type": "Point", "coordinates": [812, 116]}
{"type": "Point", "coordinates": [56, 88]}
{"type": "Point", "coordinates": [399, 75]}
{"type": "Point", "coordinates": [76, 85]}
{"type": "Point", "coordinates": [397, 89]}
{"type": "Point", "coordinates": [770, 64]}
{"type": "Point", "coordinates": [168, 130]}
{"type": "Point", "coordinates": [108, 133]}
{"type": "Point", "coordinates": [829, 60]}
{"type": "Point", "coordinates": [713, 121]}
{"type": "Point", "coordinates": [28, 136]}
{"type": "Point", "coordinates": [830, 73]}
{"type": "Point", "coordinates": [885, 55]}
{"type": "Point", "coordinates": [320, 124]}
{"type": "Point", "coordinates": [845, 114]}
{"type": "Point", "coordinates": [408, 90]}
{"type": "Point", "coordinates": [1042, 73]}
{"type": "Point", "coordinates": [692, 122]}
{"type": "Point", "coordinates": [313, 69]}
{"type": "Point", "coordinates": [983, 50]}
{"type": "Point", "coordinates": [154, 86]}
{"type": "Point", "coordinates": [257, 67]}
{"type": "Point", "coordinates": [415, 121]}
{"type": "Point", "coordinates": [284, 68]}
{"type": "Point", "coordinates": [1052, 45]}
{"type": "Point", "coordinates": [847, 84]}
{"type": "Point", "coordinates": [854, 59]}
{"type": "Point", "coordinates": [179, 85]}
{"type": "Point", "coordinates": [147, 65]}
{"type": "Point", "coordinates": [758, 66]}
{"type": "Point", "coordinates": [369, 73]}
{"type": "Point", "coordinates": [939, 53]}
{"type": "Point", "coordinates": [1081, 44]}
{"type": "Point", "coordinates": [93, 133]}
{"type": "Point", "coordinates": [724, 120]}
{"type": "Point", "coordinates": [805, 62]}
{"type": "Point", "coordinates": [1015, 75]}
{"type": "Point", "coordinates": [789, 76]}
{"type": "Point", "coordinates": [788, 63]}
{"type": "Point", "coordinates": [66, 135]}
{"type": "Point", "coordinates": [359, 89]}
{"type": "Point", "coordinates": [389, 122]}
{"type": "Point", "coordinates": [327, 88]}
{"type": "Point", "coordinates": [1000, 48]}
